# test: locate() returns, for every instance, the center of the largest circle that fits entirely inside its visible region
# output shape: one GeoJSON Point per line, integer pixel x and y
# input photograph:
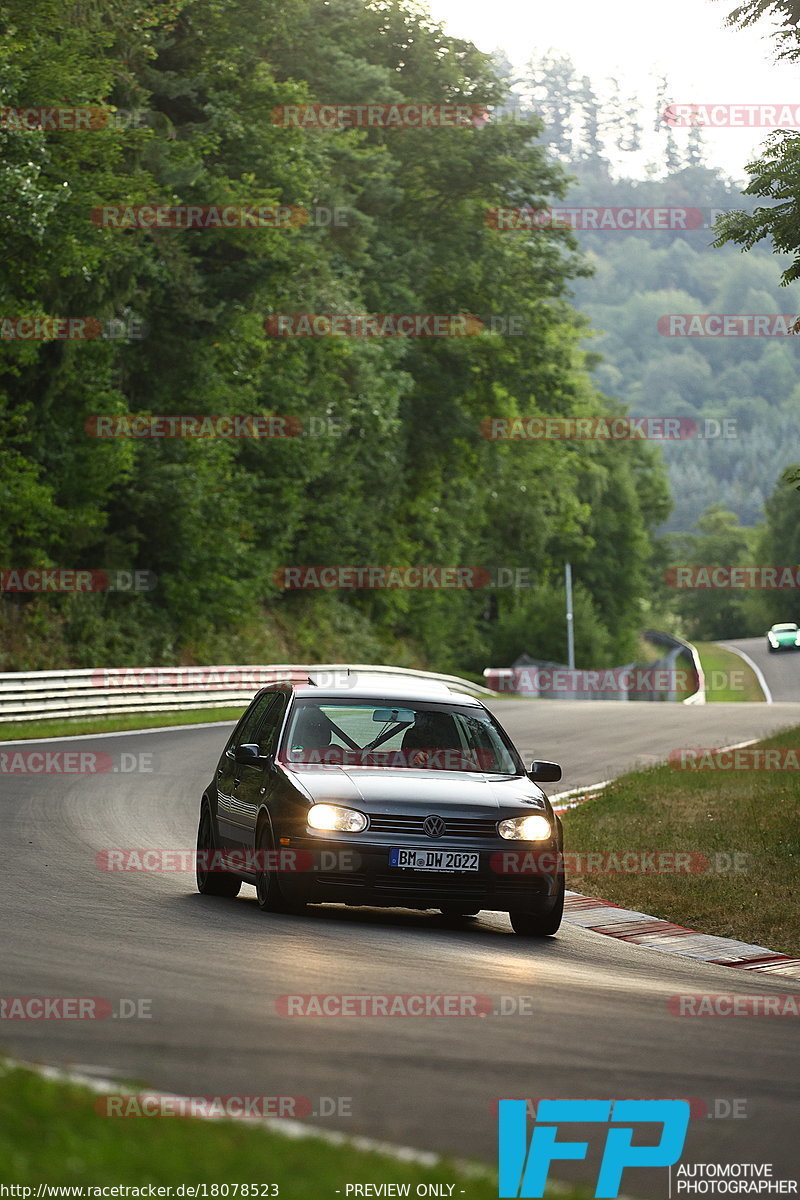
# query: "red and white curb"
{"type": "Point", "coordinates": [563, 801]}
{"type": "Point", "coordinates": [641, 929]}
{"type": "Point", "coordinates": [600, 916]}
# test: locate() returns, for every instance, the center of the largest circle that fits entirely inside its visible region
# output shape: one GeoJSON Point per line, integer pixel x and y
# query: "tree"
{"type": "Point", "coordinates": [775, 175]}
{"type": "Point", "coordinates": [408, 479]}
{"type": "Point", "coordinates": [710, 613]}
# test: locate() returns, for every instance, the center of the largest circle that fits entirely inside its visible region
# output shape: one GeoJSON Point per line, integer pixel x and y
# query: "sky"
{"type": "Point", "coordinates": [637, 40]}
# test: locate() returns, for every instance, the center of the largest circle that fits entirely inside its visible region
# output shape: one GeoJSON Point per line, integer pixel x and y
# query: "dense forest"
{"type": "Point", "coordinates": [390, 467]}
{"type": "Point", "coordinates": [641, 276]}
{"type": "Point", "coordinates": [386, 463]}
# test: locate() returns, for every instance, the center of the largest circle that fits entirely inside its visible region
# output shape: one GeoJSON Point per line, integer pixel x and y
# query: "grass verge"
{"type": "Point", "coordinates": [717, 813]}
{"type": "Point", "coordinates": [51, 1133]}
{"type": "Point", "coordinates": [71, 726]}
{"type": "Point", "coordinates": [728, 677]}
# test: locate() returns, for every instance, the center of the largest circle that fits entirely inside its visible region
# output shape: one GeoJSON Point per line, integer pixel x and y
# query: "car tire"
{"type": "Point", "coordinates": [537, 925]}
{"type": "Point", "coordinates": [268, 890]}
{"type": "Point", "coordinates": [212, 883]}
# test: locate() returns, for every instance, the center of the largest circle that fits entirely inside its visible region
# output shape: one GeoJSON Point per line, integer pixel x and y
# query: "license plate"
{"type": "Point", "coordinates": [434, 860]}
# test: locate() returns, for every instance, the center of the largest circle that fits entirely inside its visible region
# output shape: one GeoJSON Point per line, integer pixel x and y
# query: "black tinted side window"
{"type": "Point", "coordinates": [267, 733]}
{"type": "Point", "coordinates": [245, 734]}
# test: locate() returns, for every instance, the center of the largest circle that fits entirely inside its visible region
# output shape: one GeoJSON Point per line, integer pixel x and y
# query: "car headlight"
{"type": "Point", "coordinates": [525, 829]}
{"type": "Point", "coordinates": [334, 818]}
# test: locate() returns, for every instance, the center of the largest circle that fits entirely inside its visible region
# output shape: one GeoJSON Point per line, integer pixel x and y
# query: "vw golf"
{"type": "Point", "coordinates": [381, 793]}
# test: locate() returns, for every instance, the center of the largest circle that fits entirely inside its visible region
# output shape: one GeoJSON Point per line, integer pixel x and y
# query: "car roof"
{"type": "Point", "coordinates": [355, 687]}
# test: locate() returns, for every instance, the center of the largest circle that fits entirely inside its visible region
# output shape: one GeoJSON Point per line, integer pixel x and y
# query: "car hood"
{"type": "Point", "coordinates": [410, 791]}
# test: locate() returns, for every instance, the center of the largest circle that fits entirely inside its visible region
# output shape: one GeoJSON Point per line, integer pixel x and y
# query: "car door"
{"type": "Point", "coordinates": [252, 781]}
{"type": "Point", "coordinates": [229, 772]}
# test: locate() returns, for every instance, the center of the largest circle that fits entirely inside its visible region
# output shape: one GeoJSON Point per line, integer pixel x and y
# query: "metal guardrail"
{"type": "Point", "coordinates": [667, 639]}
{"type": "Point", "coordinates": [111, 691]}
{"type": "Point", "coordinates": [532, 678]}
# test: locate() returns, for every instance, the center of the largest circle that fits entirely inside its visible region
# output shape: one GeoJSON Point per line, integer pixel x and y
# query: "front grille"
{"type": "Point", "coordinates": [460, 882]}
{"type": "Point", "coordinates": [465, 827]}
{"type": "Point", "coordinates": [344, 879]}
{"type": "Point", "coordinates": [422, 881]}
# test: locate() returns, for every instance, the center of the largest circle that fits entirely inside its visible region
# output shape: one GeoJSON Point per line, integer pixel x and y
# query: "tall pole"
{"type": "Point", "coordinates": [570, 629]}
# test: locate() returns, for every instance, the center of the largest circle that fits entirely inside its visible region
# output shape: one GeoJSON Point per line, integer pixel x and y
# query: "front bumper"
{"type": "Point", "coordinates": [357, 872]}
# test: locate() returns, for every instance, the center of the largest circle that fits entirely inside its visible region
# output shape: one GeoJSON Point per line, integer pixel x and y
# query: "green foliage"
{"type": "Point", "coordinates": [408, 478]}
{"type": "Point", "coordinates": [778, 544]}
{"type": "Point", "coordinates": [646, 274]}
{"type": "Point", "coordinates": [710, 613]}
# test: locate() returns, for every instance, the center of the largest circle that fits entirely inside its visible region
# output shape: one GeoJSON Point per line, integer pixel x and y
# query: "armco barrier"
{"type": "Point", "coordinates": [105, 691]}
{"type": "Point", "coordinates": [667, 639]}
{"type": "Point", "coordinates": [525, 677]}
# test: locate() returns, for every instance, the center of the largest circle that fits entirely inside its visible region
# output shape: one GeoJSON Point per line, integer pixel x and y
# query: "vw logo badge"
{"type": "Point", "coordinates": [434, 827]}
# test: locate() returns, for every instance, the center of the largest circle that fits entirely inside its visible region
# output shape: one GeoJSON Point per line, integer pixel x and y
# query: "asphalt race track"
{"type": "Point", "coordinates": [598, 739]}
{"type": "Point", "coordinates": [781, 670]}
{"type": "Point", "coordinates": [595, 1020]}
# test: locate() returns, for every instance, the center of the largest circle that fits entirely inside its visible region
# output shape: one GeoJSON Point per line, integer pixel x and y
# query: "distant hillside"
{"type": "Point", "coordinates": [643, 275]}
{"type": "Point", "coordinates": [755, 381]}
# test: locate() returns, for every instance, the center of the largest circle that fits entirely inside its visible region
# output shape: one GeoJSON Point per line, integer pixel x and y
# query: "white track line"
{"type": "Point", "coordinates": [759, 674]}
{"type": "Point", "coordinates": [73, 737]}
{"type": "Point", "coordinates": [584, 794]}
{"type": "Point", "coordinates": [286, 1127]}
{"type": "Point", "coordinates": [283, 1126]}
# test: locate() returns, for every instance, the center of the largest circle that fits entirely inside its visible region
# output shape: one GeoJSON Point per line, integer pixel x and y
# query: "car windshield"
{"type": "Point", "coordinates": [388, 733]}
{"type": "Point", "coordinates": [785, 628]}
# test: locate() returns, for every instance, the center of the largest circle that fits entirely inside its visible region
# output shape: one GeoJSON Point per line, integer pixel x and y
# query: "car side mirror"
{"type": "Point", "coordinates": [247, 754]}
{"type": "Point", "coordinates": [544, 772]}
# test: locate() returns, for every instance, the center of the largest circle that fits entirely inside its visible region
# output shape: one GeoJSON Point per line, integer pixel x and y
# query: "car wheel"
{"type": "Point", "coordinates": [539, 924]}
{"type": "Point", "coordinates": [459, 912]}
{"type": "Point", "coordinates": [268, 891]}
{"type": "Point", "coordinates": [211, 883]}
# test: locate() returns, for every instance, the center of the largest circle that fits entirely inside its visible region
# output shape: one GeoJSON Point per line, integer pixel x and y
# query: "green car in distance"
{"type": "Point", "coordinates": [783, 637]}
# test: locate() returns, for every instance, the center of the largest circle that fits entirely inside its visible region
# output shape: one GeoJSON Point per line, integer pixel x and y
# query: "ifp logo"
{"type": "Point", "coordinates": [524, 1170]}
